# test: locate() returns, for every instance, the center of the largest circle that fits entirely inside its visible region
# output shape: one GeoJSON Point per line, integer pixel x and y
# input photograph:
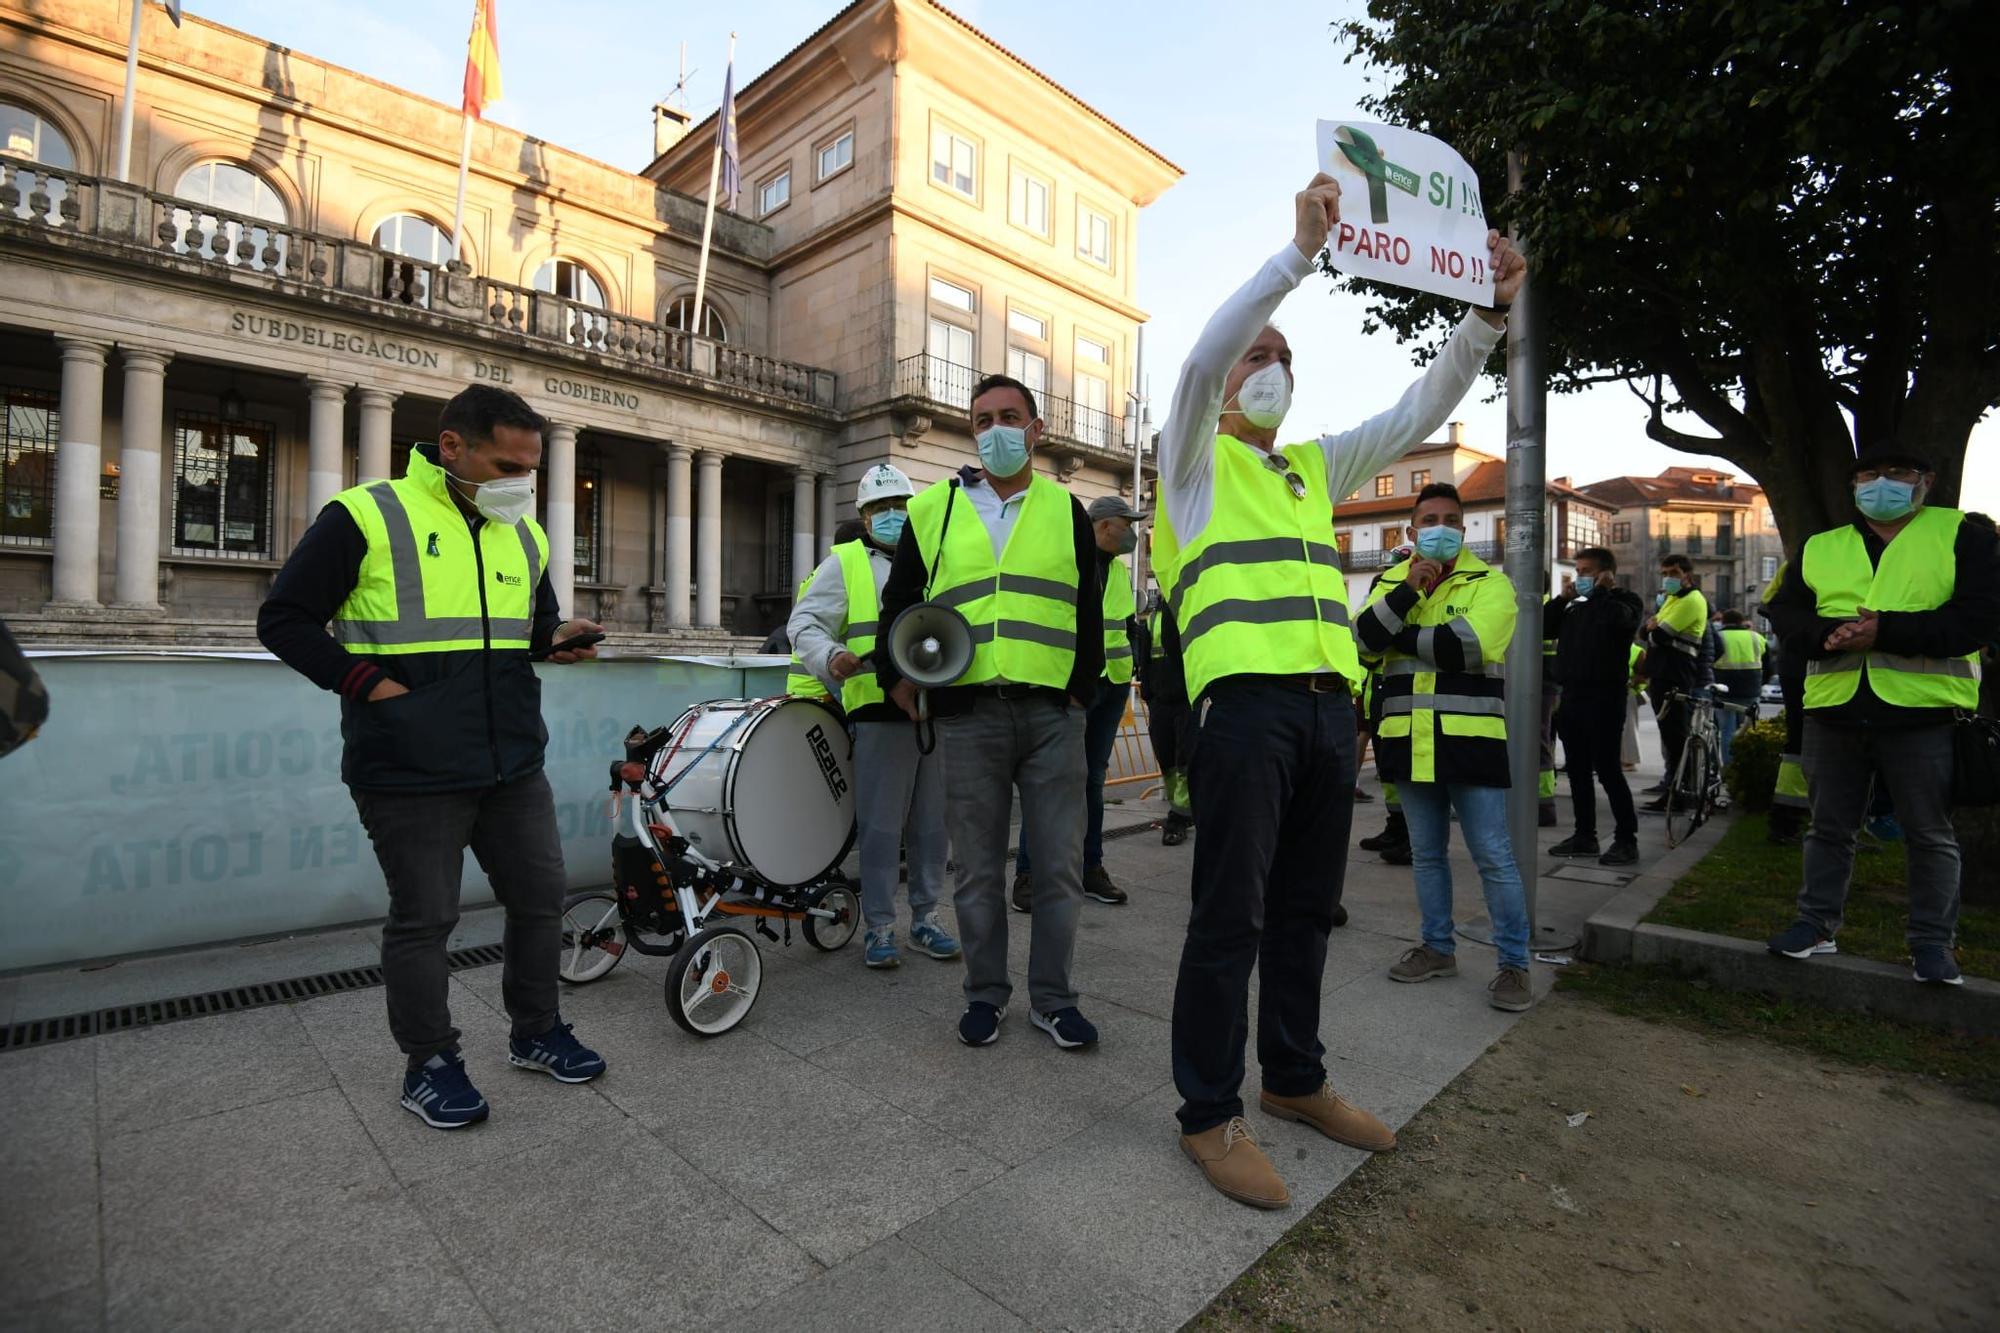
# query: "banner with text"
{"type": "Point", "coordinates": [1410, 213]}
{"type": "Point", "coordinates": [189, 800]}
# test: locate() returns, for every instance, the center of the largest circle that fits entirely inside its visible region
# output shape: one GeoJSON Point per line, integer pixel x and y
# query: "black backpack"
{"type": "Point", "coordinates": [24, 700]}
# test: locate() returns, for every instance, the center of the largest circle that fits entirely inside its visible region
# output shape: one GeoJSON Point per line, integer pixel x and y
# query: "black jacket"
{"type": "Point", "coordinates": [1963, 625]}
{"type": "Point", "coordinates": [1593, 638]}
{"type": "Point", "coordinates": [905, 588]}
{"type": "Point", "coordinates": [472, 719]}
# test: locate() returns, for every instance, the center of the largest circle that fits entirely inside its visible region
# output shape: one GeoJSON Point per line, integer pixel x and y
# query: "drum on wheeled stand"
{"type": "Point", "coordinates": [741, 808]}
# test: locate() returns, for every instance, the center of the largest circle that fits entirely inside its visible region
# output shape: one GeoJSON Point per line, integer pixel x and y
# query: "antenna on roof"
{"type": "Point", "coordinates": [678, 94]}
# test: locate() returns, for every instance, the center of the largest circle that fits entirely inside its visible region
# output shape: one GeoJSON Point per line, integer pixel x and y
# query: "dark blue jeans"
{"type": "Point", "coordinates": [1100, 733]}
{"type": "Point", "coordinates": [1272, 774]}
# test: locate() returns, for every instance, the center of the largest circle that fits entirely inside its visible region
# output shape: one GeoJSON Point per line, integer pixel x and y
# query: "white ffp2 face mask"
{"type": "Point", "coordinates": [1265, 397]}
{"type": "Point", "coordinates": [504, 500]}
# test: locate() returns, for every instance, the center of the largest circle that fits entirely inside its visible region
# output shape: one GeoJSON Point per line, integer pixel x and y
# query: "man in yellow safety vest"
{"type": "Point", "coordinates": [436, 586]}
{"type": "Point", "coordinates": [1244, 544]}
{"type": "Point", "coordinates": [1012, 552]}
{"type": "Point", "coordinates": [1674, 635]}
{"type": "Point", "coordinates": [836, 630]}
{"type": "Point", "coordinates": [1889, 613]}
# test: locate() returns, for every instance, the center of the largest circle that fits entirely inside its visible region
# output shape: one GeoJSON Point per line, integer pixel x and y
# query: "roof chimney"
{"type": "Point", "coordinates": [1455, 433]}
{"type": "Point", "coordinates": [670, 126]}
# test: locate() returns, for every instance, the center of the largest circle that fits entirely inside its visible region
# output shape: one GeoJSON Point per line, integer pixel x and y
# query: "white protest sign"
{"type": "Point", "coordinates": [1410, 213]}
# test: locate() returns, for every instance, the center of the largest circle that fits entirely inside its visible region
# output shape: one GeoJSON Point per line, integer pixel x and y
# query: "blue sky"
{"type": "Point", "coordinates": [1228, 92]}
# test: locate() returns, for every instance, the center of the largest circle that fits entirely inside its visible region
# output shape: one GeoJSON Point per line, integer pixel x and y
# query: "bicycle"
{"type": "Point", "coordinates": [1696, 791]}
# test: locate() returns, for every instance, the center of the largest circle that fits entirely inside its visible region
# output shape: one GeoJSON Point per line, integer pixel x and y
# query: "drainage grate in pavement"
{"type": "Point", "coordinates": [69, 1027]}
{"type": "Point", "coordinates": [1613, 878]}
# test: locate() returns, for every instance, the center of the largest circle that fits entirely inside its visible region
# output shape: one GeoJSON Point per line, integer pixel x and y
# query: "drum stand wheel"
{"type": "Point", "coordinates": [592, 938]}
{"type": "Point", "coordinates": [828, 935]}
{"type": "Point", "coordinates": [713, 980]}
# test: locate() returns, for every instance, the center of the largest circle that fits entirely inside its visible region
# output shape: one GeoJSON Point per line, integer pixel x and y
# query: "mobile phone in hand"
{"type": "Point", "coordinates": [570, 645]}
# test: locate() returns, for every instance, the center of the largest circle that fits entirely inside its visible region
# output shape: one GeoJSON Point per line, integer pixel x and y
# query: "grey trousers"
{"type": "Point", "coordinates": [1036, 745]}
{"type": "Point", "coordinates": [898, 801]}
{"type": "Point", "coordinates": [1841, 763]}
{"type": "Point", "coordinates": [420, 840]}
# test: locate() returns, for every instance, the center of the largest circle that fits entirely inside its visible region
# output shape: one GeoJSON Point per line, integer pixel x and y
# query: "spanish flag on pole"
{"type": "Point", "coordinates": [482, 60]}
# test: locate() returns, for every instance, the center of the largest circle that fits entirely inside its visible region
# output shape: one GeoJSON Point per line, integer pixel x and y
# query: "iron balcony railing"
{"type": "Point", "coordinates": [51, 203]}
{"type": "Point", "coordinates": [949, 385]}
{"type": "Point", "coordinates": [1356, 561]}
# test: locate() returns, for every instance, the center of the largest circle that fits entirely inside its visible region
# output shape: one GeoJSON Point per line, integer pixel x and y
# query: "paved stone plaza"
{"type": "Point", "coordinates": [839, 1161]}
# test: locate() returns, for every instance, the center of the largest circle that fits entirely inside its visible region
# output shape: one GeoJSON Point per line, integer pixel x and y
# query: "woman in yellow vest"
{"type": "Point", "coordinates": [899, 794]}
{"type": "Point", "coordinates": [1889, 613]}
{"type": "Point", "coordinates": [1012, 552]}
{"type": "Point", "coordinates": [1441, 621]}
{"type": "Point", "coordinates": [1244, 544]}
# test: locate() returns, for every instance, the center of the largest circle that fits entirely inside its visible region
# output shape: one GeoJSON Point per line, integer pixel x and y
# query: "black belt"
{"type": "Point", "coordinates": [1312, 682]}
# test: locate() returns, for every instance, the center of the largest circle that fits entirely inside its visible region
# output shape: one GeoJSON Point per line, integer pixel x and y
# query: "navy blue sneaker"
{"type": "Point", "coordinates": [1933, 963]}
{"type": "Point", "coordinates": [1068, 1028]}
{"type": "Point", "coordinates": [441, 1095]}
{"type": "Point", "coordinates": [1801, 939]}
{"type": "Point", "coordinates": [979, 1025]}
{"type": "Point", "coordinates": [558, 1054]}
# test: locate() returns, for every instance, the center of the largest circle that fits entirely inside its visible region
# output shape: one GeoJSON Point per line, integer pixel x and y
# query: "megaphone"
{"type": "Point", "coordinates": [932, 646]}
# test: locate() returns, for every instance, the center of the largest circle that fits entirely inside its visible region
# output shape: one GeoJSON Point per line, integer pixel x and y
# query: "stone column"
{"type": "Point", "coordinates": [79, 462]}
{"type": "Point", "coordinates": [377, 405]}
{"type": "Point", "coordinates": [562, 515]}
{"type": "Point", "coordinates": [326, 471]}
{"type": "Point", "coordinates": [708, 541]}
{"type": "Point", "coordinates": [680, 534]}
{"type": "Point", "coordinates": [137, 576]}
{"type": "Point", "coordinates": [802, 524]}
{"type": "Point", "coordinates": [823, 534]}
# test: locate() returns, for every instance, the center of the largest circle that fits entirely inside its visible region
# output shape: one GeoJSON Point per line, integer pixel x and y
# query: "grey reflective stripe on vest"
{"type": "Point", "coordinates": [1463, 704]}
{"type": "Point", "coordinates": [1916, 666]}
{"type": "Point", "coordinates": [1026, 631]}
{"type": "Point", "coordinates": [1112, 654]}
{"type": "Point", "coordinates": [1271, 611]}
{"type": "Point", "coordinates": [1460, 629]}
{"type": "Point", "coordinates": [861, 629]}
{"type": "Point", "coordinates": [1252, 551]}
{"type": "Point", "coordinates": [1054, 589]}
{"type": "Point", "coordinates": [412, 625]}
{"type": "Point", "coordinates": [1410, 666]}
{"type": "Point", "coordinates": [963, 593]}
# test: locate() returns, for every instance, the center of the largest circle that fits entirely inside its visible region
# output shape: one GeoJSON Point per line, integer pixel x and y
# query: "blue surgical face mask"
{"type": "Point", "coordinates": [887, 526]}
{"type": "Point", "coordinates": [1003, 450]}
{"type": "Point", "coordinates": [1884, 500]}
{"type": "Point", "coordinates": [1584, 584]}
{"type": "Point", "coordinates": [1671, 585]}
{"type": "Point", "coordinates": [1439, 542]}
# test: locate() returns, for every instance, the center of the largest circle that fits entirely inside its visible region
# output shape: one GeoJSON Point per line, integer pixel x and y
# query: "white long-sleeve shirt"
{"type": "Point", "coordinates": [819, 620]}
{"type": "Point", "coordinates": [1187, 453]}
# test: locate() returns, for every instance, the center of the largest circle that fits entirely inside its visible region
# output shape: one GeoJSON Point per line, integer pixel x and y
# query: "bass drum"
{"type": "Point", "coordinates": [763, 786]}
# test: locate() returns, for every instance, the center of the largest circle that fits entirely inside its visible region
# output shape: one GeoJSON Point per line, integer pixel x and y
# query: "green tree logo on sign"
{"type": "Point", "coordinates": [1358, 148]}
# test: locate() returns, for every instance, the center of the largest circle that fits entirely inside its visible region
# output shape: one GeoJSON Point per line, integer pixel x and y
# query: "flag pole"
{"type": "Point", "coordinates": [697, 324]}
{"type": "Point", "coordinates": [131, 87]}
{"type": "Point", "coordinates": [464, 167]}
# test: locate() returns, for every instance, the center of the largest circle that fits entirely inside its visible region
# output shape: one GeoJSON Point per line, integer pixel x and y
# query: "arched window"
{"type": "Point", "coordinates": [27, 134]}
{"type": "Point", "coordinates": [680, 316]}
{"type": "Point", "coordinates": [414, 238]}
{"type": "Point", "coordinates": [564, 278]}
{"type": "Point", "coordinates": [229, 189]}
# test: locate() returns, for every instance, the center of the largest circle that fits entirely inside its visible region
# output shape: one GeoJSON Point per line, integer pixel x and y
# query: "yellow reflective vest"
{"type": "Point", "coordinates": [1022, 607]}
{"type": "Point", "coordinates": [1742, 650]}
{"type": "Point", "coordinates": [1918, 572]}
{"type": "Point", "coordinates": [1443, 690]}
{"type": "Point", "coordinates": [1681, 621]}
{"type": "Point", "coordinates": [799, 682]}
{"type": "Point", "coordinates": [1259, 589]}
{"type": "Point", "coordinates": [860, 634]}
{"type": "Point", "coordinates": [1118, 608]}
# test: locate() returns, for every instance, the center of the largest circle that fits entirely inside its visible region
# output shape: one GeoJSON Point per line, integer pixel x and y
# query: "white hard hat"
{"type": "Point", "coordinates": [882, 482]}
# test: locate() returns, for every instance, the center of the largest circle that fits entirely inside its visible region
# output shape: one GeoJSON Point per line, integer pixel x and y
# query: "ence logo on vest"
{"type": "Point", "coordinates": [829, 767]}
{"type": "Point", "coordinates": [511, 580]}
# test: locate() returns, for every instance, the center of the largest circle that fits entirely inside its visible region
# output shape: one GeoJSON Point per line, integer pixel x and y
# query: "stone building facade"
{"type": "Point", "coordinates": [192, 360]}
{"type": "Point", "coordinates": [1722, 525]}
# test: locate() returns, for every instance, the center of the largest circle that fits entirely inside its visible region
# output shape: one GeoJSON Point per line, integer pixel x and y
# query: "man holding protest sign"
{"type": "Point", "coordinates": [1244, 546]}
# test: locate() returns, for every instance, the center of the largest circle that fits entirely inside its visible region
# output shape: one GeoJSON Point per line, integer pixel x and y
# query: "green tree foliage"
{"type": "Point", "coordinates": [1773, 220]}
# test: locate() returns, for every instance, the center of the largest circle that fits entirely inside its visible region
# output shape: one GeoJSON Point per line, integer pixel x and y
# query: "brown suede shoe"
{"type": "Point", "coordinates": [1234, 1164]}
{"type": "Point", "coordinates": [1332, 1115]}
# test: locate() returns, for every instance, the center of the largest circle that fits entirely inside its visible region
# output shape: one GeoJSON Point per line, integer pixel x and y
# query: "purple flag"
{"type": "Point", "coordinates": [732, 176]}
